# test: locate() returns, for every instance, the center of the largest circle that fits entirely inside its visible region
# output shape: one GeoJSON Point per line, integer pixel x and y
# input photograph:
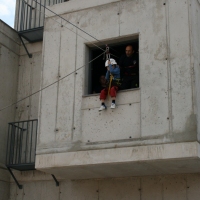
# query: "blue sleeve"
{"type": "Point", "coordinates": [114, 71]}
{"type": "Point", "coordinates": [107, 75]}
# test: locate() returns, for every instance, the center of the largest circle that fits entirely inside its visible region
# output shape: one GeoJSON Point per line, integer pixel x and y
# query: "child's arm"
{"type": "Point", "coordinates": [115, 70]}
{"type": "Point", "coordinates": [107, 75]}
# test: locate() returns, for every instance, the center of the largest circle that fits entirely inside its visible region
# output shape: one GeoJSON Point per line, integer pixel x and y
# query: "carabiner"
{"type": "Point", "coordinates": [107, 53]}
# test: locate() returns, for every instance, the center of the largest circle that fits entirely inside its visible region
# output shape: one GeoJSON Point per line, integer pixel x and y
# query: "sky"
{"type": "Point", "coordinates": [7, 11]}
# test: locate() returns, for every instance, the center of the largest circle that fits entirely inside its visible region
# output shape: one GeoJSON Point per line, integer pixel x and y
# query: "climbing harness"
{"type": "Point", "coordinates": [115, 81]}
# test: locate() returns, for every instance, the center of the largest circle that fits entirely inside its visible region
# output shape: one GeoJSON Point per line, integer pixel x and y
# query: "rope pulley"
{"type": "Point", "coordinates": [107, 53]}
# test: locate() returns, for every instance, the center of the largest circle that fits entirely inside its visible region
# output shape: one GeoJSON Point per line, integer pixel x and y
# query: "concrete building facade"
{"type": "Point", "coordinates": [148, 147]}
{"type": "Point", "coordinates": [9, 59]}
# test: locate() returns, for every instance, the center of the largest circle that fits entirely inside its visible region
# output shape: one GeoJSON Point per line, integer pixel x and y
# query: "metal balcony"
{"type": "Point", "coordinates": [31, 15]}
{"type": "Point", "coordinates": [21, 145]}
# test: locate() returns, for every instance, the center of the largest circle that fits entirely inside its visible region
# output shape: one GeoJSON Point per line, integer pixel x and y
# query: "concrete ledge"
{"type": "Point", "coordinates": [121, 162]}
{"type": "Point", "coordinates": [129, 96]}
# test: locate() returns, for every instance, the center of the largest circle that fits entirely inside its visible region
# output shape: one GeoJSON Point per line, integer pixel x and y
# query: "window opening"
{"type": "Point", "coordinates": [97, 68]}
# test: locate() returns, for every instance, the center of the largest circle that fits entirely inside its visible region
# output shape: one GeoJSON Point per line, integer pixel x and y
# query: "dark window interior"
{"type": "Point", "coordinates": [97, 67]}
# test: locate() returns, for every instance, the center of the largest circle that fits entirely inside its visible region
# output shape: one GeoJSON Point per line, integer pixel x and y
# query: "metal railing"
{"type": "Point", "coordinates": [21, 145]}
{"type": "Point", "coordinates": [31, 13]}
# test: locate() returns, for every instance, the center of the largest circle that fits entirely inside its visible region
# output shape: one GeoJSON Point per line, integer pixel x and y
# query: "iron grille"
{"type": "Point", "coordinates": [30, 18]}
{"type": "Point", "coordinates": [31, 13]}
{"type": "Point", "coordinates": [21, 145]}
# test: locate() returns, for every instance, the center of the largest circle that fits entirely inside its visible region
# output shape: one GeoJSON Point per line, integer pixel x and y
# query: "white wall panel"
{"type": "Point", "coordinates": [110, 124]}
{"type": "Point", "coordinates": [180, 66]}
{"type": "Point", "coordinates": [66, 86]}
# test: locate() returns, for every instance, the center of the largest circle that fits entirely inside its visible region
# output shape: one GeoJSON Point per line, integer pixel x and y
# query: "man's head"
{"type": "Point", "coordinates": [129, 51]}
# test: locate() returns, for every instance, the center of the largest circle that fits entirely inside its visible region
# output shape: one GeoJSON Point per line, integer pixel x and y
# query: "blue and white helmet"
{"type": "Point", "coordinates": [112, 61]}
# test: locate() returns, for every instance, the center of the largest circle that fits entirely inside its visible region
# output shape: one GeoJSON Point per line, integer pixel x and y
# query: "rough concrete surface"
{"type": "Point", "coordinates": [9, 58]}
{"type": "Point", "coordinates": [165, 111]}
{"type": "Point", "coordinates": [173, 187]}
{"type": "Point", "coordinates": [122, 162]}
{"type": "Point", "coordinates": [156, 135]}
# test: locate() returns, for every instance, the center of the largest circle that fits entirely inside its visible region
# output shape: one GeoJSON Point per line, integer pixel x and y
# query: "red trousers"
{"type": "Point", "coordinates": [104, 92]}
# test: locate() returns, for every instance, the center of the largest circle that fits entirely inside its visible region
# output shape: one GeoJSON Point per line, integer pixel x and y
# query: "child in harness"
{"type": "Point", "coordinates": [113, 83]}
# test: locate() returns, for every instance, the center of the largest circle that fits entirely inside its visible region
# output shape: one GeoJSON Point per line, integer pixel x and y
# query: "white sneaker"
{"type": "Point", "coordinates": [112, 105]}
{"type": "Point", "coordinates": [103, 107]}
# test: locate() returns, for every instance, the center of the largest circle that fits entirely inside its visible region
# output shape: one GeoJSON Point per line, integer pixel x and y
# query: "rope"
{"type": "Point", "coordinates": [72, 24]}
{"type": "Point", "coordinates": [69, 22]}
{"type": "Point", "coordinates": [50, 84]}
{"type": "Point", "coordinates": [70, 29]}
{"type": "Point", "coordinates": [111, 78]}
{"type": "Point", "coordinates": [80, 35]}
{"type": "Point", "coordinates": [108, 54]}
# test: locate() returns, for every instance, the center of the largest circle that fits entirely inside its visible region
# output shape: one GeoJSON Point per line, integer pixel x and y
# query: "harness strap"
{"type": "Point", "coordinates": [111, 78]}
